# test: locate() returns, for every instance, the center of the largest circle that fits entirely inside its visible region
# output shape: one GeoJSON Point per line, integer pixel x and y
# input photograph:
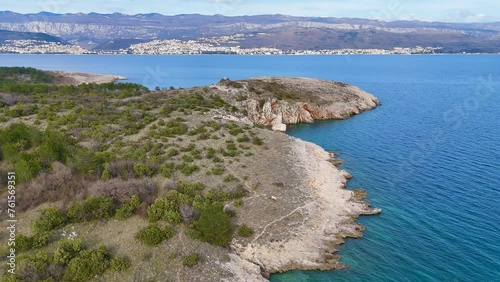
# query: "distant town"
{"type": "Point", "coordinates": [191, 47]}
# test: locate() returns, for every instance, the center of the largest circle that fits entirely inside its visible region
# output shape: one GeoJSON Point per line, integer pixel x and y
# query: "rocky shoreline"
{"type": "Point", "coordinates": [328, 216]}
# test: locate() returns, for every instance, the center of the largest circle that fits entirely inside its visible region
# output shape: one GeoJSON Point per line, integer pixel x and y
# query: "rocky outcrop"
{"type": "Point", "coordinates": [277, 101]}
{"type": "Point", "coordinates": [312, 212]}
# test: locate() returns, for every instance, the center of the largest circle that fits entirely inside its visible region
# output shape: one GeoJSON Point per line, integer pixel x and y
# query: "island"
{"type": "Point", "coordinates": [117, 182]}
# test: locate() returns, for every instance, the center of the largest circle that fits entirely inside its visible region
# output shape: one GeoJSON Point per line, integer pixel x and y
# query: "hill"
{"type": "Point", "coordinates": [37, 36]}
{"type": "Point", "coordinates": [284, 32]}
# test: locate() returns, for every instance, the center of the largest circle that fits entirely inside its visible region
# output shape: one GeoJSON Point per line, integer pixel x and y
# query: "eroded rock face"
{"type": "Point", "coordinates": [297, 100]}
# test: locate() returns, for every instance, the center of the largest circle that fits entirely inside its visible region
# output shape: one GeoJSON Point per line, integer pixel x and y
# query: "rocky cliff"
{"type": "Point", "coordinates": [277, 101]}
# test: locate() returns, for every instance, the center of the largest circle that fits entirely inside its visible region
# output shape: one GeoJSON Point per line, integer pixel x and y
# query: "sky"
{"type": "Point", "coordinates": [388, 10]}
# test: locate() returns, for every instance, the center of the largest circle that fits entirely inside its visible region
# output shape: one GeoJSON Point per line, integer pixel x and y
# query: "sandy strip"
{"type": "Point", "coordinates": [76, 78]}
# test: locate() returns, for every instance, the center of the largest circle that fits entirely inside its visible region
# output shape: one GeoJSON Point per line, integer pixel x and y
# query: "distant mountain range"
{"type": "Point", "coordinates": [115, 31]}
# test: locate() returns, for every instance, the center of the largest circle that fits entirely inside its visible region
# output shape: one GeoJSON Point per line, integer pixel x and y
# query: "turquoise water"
{"type": "Point", "coordinates": [429, 156]}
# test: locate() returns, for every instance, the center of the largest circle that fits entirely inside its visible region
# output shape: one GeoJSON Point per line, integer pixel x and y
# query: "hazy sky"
{"type": "Point", "coordinates": [428, 10]}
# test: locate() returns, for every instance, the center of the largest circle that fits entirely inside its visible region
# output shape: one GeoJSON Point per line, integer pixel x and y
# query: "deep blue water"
{"type": "Point", "coordinates": [429, 156]}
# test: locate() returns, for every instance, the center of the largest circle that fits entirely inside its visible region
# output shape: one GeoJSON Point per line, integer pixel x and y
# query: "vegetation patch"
{"type": "Point", "coordinates": [154, 234]}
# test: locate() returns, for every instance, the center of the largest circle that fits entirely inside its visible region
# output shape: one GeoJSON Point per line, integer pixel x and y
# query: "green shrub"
{"type": "Point", "coordinates": [142, 169]}
{"type": "Point", "coordinates": [171, 153]}
{"type": "Point", "coordinates": [172, 217]}
{"type": "Point", "coordinates": [187, 158]}
{"type": "Point", "coordinates": [211, 153]}
{"type": "Point", "coordinates": [243, 138]}
{"type": "Point", "coordinates": [66, 250]}
{"type": "Point", "coordinates": [156, 210]}
{"type": "Point", "coordinates": [90, 209]}
{"type": "Point", "coordinates": [191, 260]}
{"type": "Point", "coordinates": [27, 166]}
{"type": "Point", "coordinates": [241, 98]}
{"type": "Point", "coordinates": [228, 178]}
{"type": "Point", "coordinates": [128, 209]}
{"type": "Point", "coordinates": [235, 131]}
{"type": "Point", "coordinates": [216, 171]}
{"type": "Point", "coordinates": [245, 231]}
{"type": "Point", "coordinates": [217, 195]}
{"type": "Point", "coordinates": [167, 169]}
{"type": "Point", "coordinates": [51, 219]}
{"type": "Point", "coordinates": [153, 234]}
{"type": "Point", "coordinates": [257, 141]}
{"type": "Point", "coordinates": [167, 207]}
{"type": "Point", "coordinates": [40, 239]}
{"type": "Point", "coordinates": [189, 148]}
{"type": "Point", "coordinates": [187, 169]}
{"type": "Point", "coordinates": [87, 265]}
{"type": "Point", "coordinates": [120, 264]}
{"type": "Point", "coordinates": [23, 243]}
{"type": "Point", "coordinates": [214, 225]}
{"type": "Point", "coordinates": [40, 261]}
{"type": "Point", "coordinates": [190, 189]}
{"type": "Point", "coordinates": [238, 203]}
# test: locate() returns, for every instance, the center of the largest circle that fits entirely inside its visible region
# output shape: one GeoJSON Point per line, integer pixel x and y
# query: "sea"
{"type": "Point", "coordinates": [429, 156]}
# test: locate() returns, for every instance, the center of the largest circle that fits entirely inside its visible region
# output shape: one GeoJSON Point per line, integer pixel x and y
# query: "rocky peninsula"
{"type": "Point", "coordinates": [284, 201]}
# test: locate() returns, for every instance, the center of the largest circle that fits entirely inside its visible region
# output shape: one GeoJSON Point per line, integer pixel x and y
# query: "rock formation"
{"type": "Point", "coordinates": [277, 101]}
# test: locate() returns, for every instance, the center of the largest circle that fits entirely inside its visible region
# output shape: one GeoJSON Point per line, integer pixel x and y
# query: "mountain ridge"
{"type": "Point", "coordinates": [275, 31]}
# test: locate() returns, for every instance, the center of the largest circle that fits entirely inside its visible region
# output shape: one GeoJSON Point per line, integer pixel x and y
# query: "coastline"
{"type": "Point", "coordinates": [316, 224]}
{"type": "Point", "coordinates": [76, 78]}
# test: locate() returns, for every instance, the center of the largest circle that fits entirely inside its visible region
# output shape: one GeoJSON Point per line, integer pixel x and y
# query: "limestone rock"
{"type": "Point", "coordinates": [282, 100]}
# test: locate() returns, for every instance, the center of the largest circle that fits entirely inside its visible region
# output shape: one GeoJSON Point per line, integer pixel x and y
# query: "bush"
{"type": "Point", "coordinates": [51, 219]}
{"type": "Point", "coordinates": [214, 225]}
{"type": "Point", "coordinates": [23, 243]}
{"type": "Point", "coordinates": [87, 265]}
{"type": "Point", "coordinates": [190, 189]}
{"type": "Point", "coordinates": [128, 208]}
{"type": "Point", "coordinates": [243, 138]}
{"type": "Point", "coordinates": [238, 203]}
{"type": "Point", "coordinates": [188, 169]}
{"type": "Point", "coordinates": [172, 152]}
{"type": "Point", "coordinates": [211, 153]}
{"type": "Point", "coordinates": [142, 169]}
{"type": "Point", "coordinates": [257, 141]}
{"type": "Point", "coordinates": [40, 239]}
{"type": "Point", "coordinates": [245, 231]}
{"type": "Point", "coordinates": [216, 171]}
{"type": "Point", "coordinates": [67, 250]}
{"type": "Point", "coordinates": [172, 217]}
{"type": "Point", "coordinates": [90, 209]}
{"type": "Point", "coordinates": [228, 178]}
{"type": "Point", "coordinates": [153, 234]}
{"type": "Point", "coordinates": [191, 260]}
{"type": "Point", "coordinates": [235, 131]}
{"type": "Point", "coordinates": [156, 211]}
{"type": "Point", "coordinates": [120, 264]}
{"type": "Point", "coordinates": [167, 169]}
